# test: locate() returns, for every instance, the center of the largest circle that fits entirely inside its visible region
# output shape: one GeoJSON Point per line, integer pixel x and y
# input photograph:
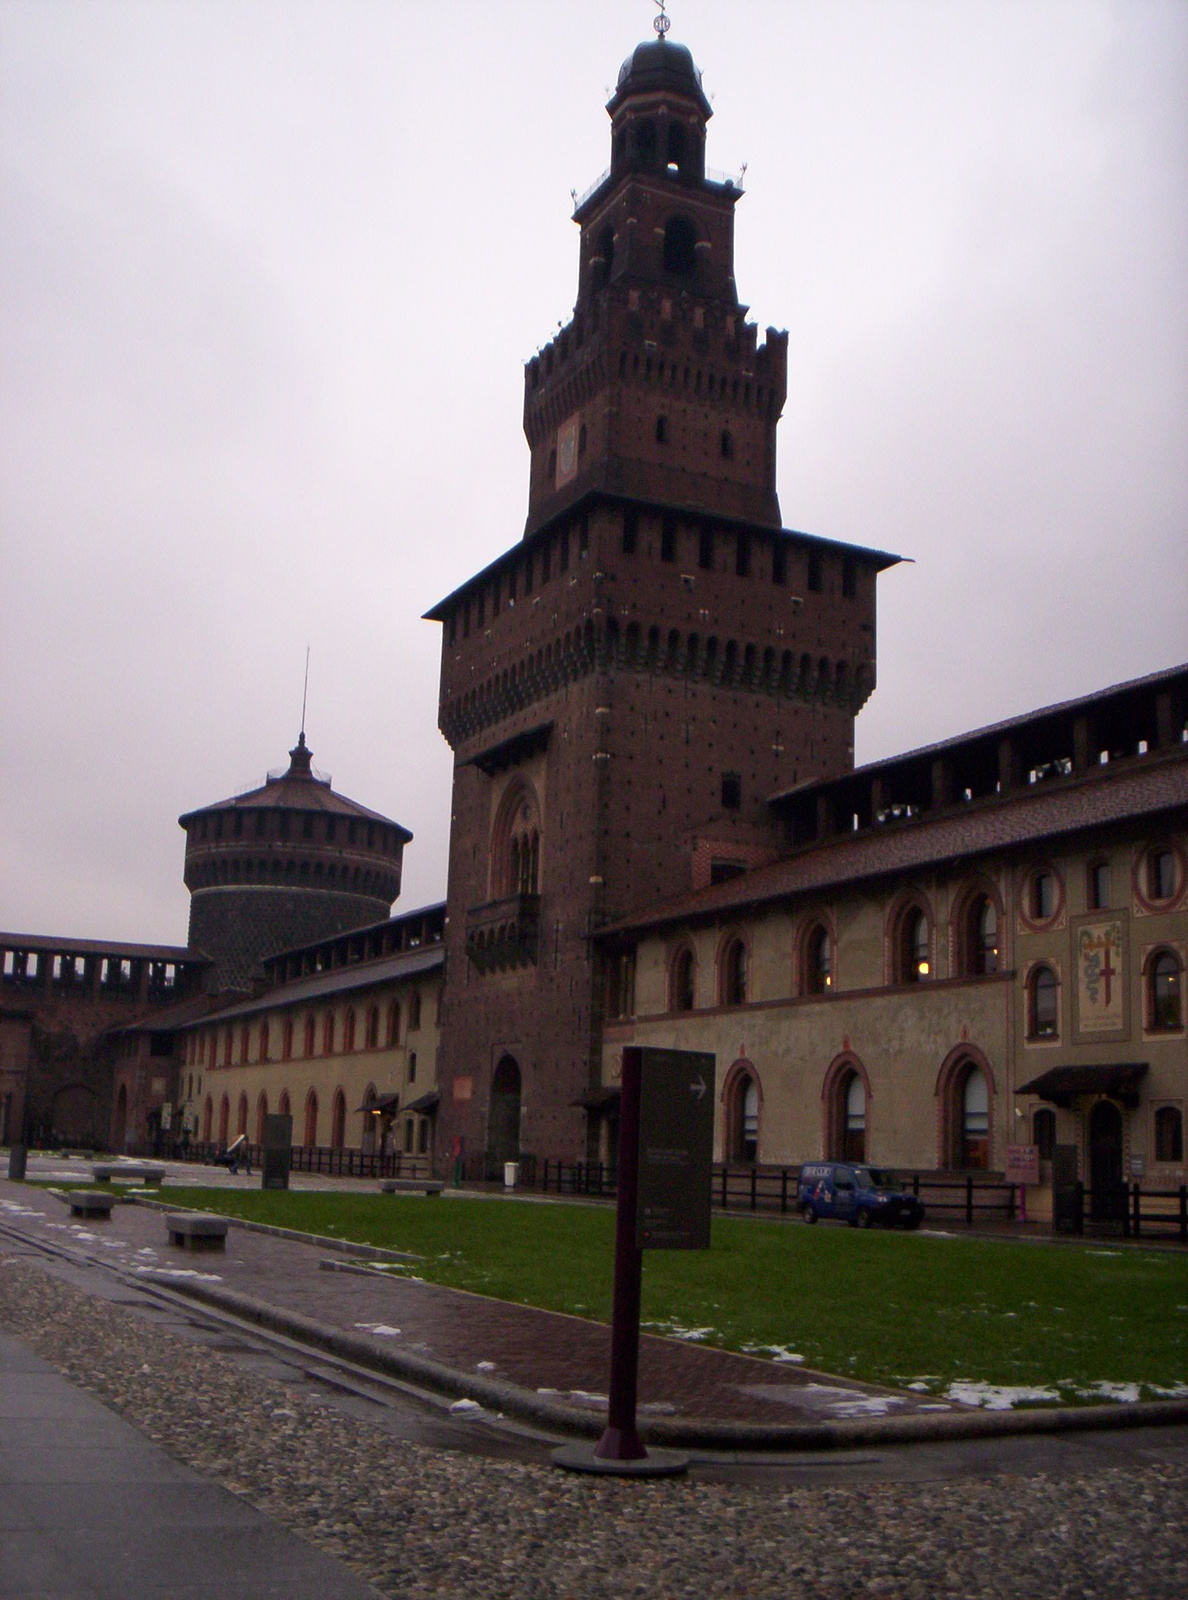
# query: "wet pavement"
{"type": "Point", "coordinates": [540, 1352]}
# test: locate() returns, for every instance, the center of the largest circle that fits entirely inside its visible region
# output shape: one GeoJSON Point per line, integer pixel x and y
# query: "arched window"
{"type": "Point", "coordinates": [348, 1030]}
{"type": "Point", "coordinates": [261, 1115]}
{"type": "Point", "coordinates": [265, 1040]}
{"type": "Point", "coordinates": [854, 1127]}
{"type": "Point", "coordinates": [414, 1011]}
{"type": "Point", "coordinates": [682, 994]}
{"type": "Point", "coordinates": [975, 1120]}
{"type": "Point", "coordinates": [1169, 1134]}
{"type": "Point", "coordinates": [328, 1034]}
{"type": "Point", "coordinates": [207, 1115]}
{"type": "Point", "coordinates": [285, 1107]}
{"type": "Point", "coordinates": [245, 1039]}
{"type": "Point", "coordinates": [311, 1120]}
{"type": "Point", "coordinates": [372, 1027]}
{"type": "Point", "coordinates": [1043, 1004]}
{"type": "Point", "coordinates": [818, 960]}
{"type": "Point", "coordinates": [287, 1040]}
{"type": "Point", "coordinates": [309, 1035]}
{"type": "Point", "coordinates": [1161, 873]}
{"type": "Point", "coordinates": [412, 1066]}
{"type": "Point", "coordinates": [912, 957]}
{"type": "Point", "coordinates": [734, 973]}
{"type": "Point", "coordinates": [1042, 897]}
{"type": "Point", "coordinates": [742, 1103]}
{"type": "Point", "coordinates": [242, 1115]}
{"type": "Point", "coordinates": [338, 1120]}
{"type": "Point", "coordinates": [980, 942]}
{"type": "Point", "coordinates": [680, 247]}
{"type": "Point", "coordinates": [224, 1119]}
{"type": "Point", "coordinates": [515, 843]}
{"type": "Point", "coordinates": [1043, 1132]}
{"type": "Point", "coordinates": [1164, 986]}
{"type": "Point", "coordinates": [394, 1023]}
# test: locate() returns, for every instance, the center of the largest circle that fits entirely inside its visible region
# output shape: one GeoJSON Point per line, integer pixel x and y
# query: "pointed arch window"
{"type": "Point", "coordinates": [1043, 1004]}
{"type": "Point", "coordinates": [818, 960]}
{"type": "Point", "coordinates": [1164, 992]}
{"type": "Point", "coordinates": [684, 970]}
{"type": "Point", "coordinates": [734, 973]}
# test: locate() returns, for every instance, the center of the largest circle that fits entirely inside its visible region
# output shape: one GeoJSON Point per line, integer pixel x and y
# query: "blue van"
{"type": "Point", "coordinates": [859, 1195]}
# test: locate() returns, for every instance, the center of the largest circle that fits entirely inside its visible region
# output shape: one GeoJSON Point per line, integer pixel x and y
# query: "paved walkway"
{"type": "Point", "coordinates": [70, 1473]}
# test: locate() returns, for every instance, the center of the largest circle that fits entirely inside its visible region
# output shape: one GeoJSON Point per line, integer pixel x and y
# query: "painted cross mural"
{"type": "Point", "coordinates": [1099, 991]}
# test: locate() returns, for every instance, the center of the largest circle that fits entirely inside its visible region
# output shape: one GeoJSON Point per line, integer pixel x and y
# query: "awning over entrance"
{"type": "Point", "coordinates": [598, 1099]}
{"type": "Point", "coordinates": [385, 1104]}
{"type": "Point", "coordinates": [427, 1104]}
{"type": "Point", "coordinates": [1061, 1085]}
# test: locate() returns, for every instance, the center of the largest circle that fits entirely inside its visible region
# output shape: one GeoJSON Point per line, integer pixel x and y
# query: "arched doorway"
{"type": "Point", "coordinates": [338, 1120]}
{"type": "Point", "coordinates": [1107, 1200]}
{"type": "Point", "coordinates": [975, 1120]}
{"type": "Point", "coordinates": [503, 1126]}
{"type": "Point", "coordinates": [119, 1126]}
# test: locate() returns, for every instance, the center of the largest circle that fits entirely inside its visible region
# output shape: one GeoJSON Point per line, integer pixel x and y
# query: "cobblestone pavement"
{"type": "Point", "coordinates": [418, 1522]}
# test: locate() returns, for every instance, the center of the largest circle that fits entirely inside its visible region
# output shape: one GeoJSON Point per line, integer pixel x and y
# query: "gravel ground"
{"type": "Point", "coordinates": [419, 1522]}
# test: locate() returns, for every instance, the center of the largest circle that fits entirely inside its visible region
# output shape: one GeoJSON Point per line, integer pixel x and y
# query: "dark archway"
{"type": "Point", "coordinates": [1108, 1196]}
{"type": "Point", "coordinates": [503, 1126]}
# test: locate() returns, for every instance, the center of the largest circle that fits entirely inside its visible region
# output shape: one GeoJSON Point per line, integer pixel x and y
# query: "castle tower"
{"type": "Point", "coordinates": [283, 865]}
{"type": "Point", "coordinates": [625, 687]}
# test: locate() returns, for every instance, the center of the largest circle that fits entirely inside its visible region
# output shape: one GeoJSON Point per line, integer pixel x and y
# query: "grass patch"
{"type": "Point", "coordinates": [889, 1308]}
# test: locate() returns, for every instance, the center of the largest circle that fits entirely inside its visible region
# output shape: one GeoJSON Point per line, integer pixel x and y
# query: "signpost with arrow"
{"type": "Point", "coordinates": [666, 1146]}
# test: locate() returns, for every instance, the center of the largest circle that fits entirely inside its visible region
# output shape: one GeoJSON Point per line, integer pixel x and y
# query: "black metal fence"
{"type": "Point", "coordinates": [1125, 1209]}
{"type": "Point", "coordinates": [332, 1160]}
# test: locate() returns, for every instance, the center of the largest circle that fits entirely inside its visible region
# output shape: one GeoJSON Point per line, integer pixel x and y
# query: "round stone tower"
{"type": "Point", "coordinates": [284, 865]}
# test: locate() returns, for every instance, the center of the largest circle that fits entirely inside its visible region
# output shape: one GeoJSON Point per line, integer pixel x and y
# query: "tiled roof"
{"type": "Point", "coordinates": [338, 980]}
{"type": "Point", "coordinates": [1046, 811]}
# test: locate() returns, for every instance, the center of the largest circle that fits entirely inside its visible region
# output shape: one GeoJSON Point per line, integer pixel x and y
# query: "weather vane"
{"type": "Point", "coordinates": [663, 22]}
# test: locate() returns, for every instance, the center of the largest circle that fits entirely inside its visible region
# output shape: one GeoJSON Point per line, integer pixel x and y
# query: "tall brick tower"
{"type": "Point", "coordinates": [625, 687]}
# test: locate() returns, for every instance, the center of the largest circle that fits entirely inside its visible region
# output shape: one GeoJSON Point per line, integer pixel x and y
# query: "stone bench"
{"type": "Point", "coordinates": [196, 1230]}
{"type": "Point", "coordinates": [429, 1187]}
{"type": "Point", "coordinates": [89, 1202]}
{"type": "Point", "coordinates": [105, 1171]}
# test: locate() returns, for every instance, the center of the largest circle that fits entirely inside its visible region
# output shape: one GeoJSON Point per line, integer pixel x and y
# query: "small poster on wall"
{"type": "Point", "coordinates": [567, 452]}
{"type": "Point", "coordinates": [1100, 978]}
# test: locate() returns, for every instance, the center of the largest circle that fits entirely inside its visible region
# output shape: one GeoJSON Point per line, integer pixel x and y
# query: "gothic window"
{"type": "Point", "coordinates": [311, 1120]}
{"type": "Point", "coordinates": [734, 973]}
{"type": "Point", "coordinates": [980, 942]}
{"type": "Point", "coordinates": [854, 1125]}
{"type": "Point", "coordinates": [261, 1113]}
{"type": "Point", "coordinates": [1043, 1004]}
{"type": "Point", "coordinates": [682, 988]}
{"type": "Point", "coordinates": [515, 843]}
{"type": "Point", "coordinates": [1164, 991]}
{"type": "Point", "coordinates": [818, 961]}
{"type": "Point", "coordinates": [328, 1034]}
{"type": "Point", "coordinates": [372, 1027]}
{"type": "Point", "coordinates": [414, 1011]}
{"type": "Point", "coordinates": [264, 1041]}
{"type": "Point", "coordinates": [338, 1120]}
{"type": "Point", "coordinates": [287, 1039]}
{"type": "Point", "coordinates": [309, 1035]}
{"type": "Point", "coordinates": [412, 1066]}
{"type": "Point", "coordinates": [348, 1030]}
{"type": "Point", "coordinates": [241, 1115]}
{"type": "Point", "coordinates": [975, 1120]}
{"type": "Point", "coordinates": [912, 963]}
{"type": "Point", "coordinates": [746, 1120]}
{"type": "Point", "coordinates": [1169, 1134]}
{"type": "Point", "coordinates": [394, 1023]}
{"type": "Point", "coordinates": [224, 1119]}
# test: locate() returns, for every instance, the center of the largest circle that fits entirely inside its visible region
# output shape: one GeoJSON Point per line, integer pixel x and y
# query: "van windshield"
{"type": "Point", "coordinates": [862, 1178]}
{"type": "Point", "coordinates": [882, 1179]}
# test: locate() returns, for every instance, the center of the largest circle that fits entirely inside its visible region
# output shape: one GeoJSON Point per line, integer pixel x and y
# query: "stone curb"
{"type": "Point", "coordinates": [346, 1247]}
{"type": "Point", "coordinates": [498, 1395]}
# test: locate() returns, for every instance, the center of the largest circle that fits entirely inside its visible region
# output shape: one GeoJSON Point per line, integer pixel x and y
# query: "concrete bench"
{"type": "Point", "coordinates": [196, 1230]}
{"type": "Point", "coordinates": [105, 1171]}
{"type": "Point", "coordinates": [429, 1187]}
{"type": "Point", "coordinates": [89, 1202]}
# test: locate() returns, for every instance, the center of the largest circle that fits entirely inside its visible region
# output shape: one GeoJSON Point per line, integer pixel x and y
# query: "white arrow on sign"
{"type": "Point", "coordinates": [698, 1089]}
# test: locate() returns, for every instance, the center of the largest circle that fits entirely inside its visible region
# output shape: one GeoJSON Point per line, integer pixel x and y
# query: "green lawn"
{"type": "Point", "coordinates": [888, 1307]}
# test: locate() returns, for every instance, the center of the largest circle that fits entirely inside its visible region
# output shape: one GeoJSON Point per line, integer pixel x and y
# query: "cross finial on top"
{"type": "Point", "coordinates": [663, 22]}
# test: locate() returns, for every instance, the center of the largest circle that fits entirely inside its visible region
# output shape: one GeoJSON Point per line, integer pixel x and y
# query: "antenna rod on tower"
{"type": "Point", "coordinates": [305, 692]}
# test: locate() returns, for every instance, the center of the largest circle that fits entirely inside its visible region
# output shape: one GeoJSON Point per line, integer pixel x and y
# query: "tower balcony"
{"type": "Point", "coordinates": [504, 933]}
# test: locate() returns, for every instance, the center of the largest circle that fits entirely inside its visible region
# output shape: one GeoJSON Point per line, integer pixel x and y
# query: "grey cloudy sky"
{"type": "Point", "coordinates": [270, 272]}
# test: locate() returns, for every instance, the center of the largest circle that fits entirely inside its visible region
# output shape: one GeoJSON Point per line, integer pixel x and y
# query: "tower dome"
{"type": "Point", "coordinates": [657, 65]}
{"type": "Point", "coordinates": [285, 864]}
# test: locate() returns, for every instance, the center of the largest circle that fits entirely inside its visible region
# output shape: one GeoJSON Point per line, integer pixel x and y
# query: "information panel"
{"type": "Point", "coordinates": [676, 1150]}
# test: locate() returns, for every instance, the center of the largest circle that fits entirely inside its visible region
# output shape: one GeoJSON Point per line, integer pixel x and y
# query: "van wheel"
{"type": "Point", "coordinates": [808, 1213]}
{"type": "Point", "coordinates": [863, 1219]}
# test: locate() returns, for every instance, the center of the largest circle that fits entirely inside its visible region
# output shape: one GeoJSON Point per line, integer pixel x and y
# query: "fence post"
{"type": "Point", "coordinates": [969, 1202]}
{"type": "Point", "coordinates": [754, 1188]}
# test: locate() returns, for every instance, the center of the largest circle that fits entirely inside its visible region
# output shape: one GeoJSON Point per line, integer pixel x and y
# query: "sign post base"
{"type": "Point", "coordinates": [583, 1457]}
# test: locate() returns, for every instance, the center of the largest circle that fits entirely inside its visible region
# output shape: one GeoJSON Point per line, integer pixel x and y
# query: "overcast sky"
{"type": "Point", "coordinates": [270, 272]}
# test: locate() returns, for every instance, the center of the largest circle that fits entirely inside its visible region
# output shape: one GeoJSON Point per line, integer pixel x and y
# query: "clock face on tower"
{"type": "Point", "coordinates": [567, 452]}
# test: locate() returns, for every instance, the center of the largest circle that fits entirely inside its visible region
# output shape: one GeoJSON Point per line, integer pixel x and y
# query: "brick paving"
{"type": "Point", "coordinates": [533, 1350]}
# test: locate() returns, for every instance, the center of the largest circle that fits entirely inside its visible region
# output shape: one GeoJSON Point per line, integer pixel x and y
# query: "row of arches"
{"type": "Point", "coordinates": [965, 1089]}
{"type": "Point", "coordinates": [366, 1029]}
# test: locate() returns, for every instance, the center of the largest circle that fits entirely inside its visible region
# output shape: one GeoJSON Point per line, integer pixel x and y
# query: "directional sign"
{"type": "Point", "coordinates": [676, 1150]}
